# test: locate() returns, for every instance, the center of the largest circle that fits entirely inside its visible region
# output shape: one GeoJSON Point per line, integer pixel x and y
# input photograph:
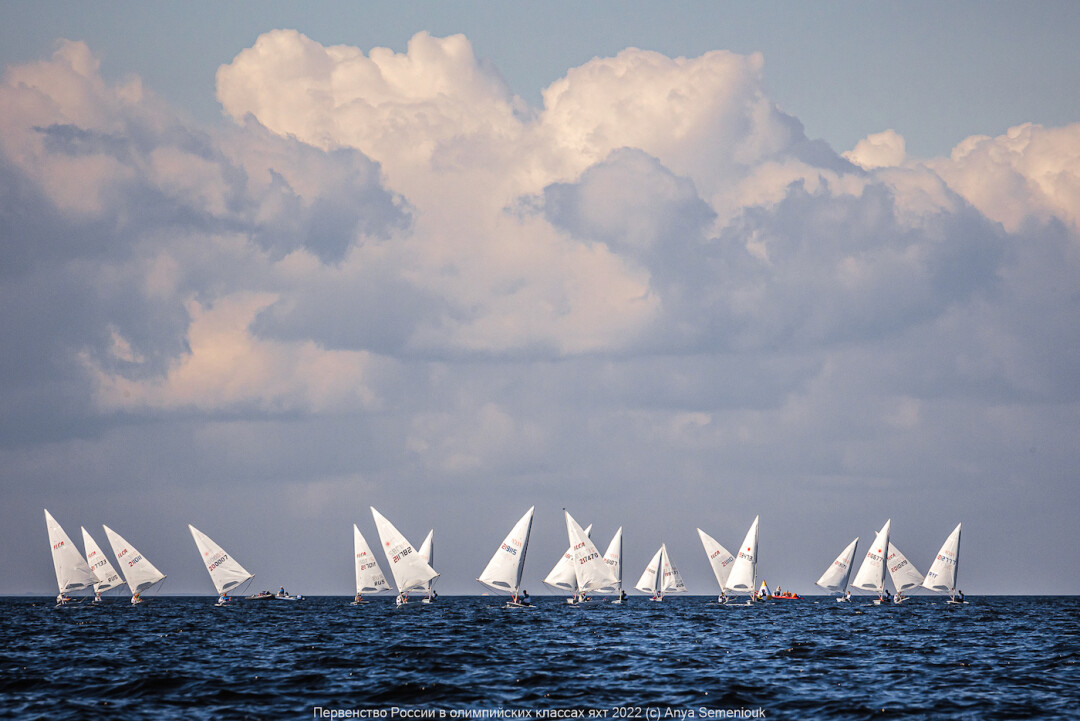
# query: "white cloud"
{"type": "Point", "coordinates": [878, 150]}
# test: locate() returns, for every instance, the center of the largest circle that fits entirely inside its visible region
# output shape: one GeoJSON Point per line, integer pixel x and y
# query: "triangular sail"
{"type": "Point", "coordinates": [589, 567]}
{"type": "Point", "coordinates": [744, 571]}
{"type": "Point", "coordinates": [139, 573]}
{"type": "Point", "coordinates": [427, 552]}
{"type": "Point", "coordinates": [904, 575]}
{"type": "Point", "coordinates": [409, 570]}
{"type": "Point", "coordinates": [72, 571]}
{"type": "Point", "coordinates": [369, 577]}
{"type": "Point", "coordinates": [871, 575]}
{"type": "Point", "coordinates": [562, 575]}
{"type": "Point", "coordinates": [503, 572]}
{"type": "Point", "coordinates": [720, 558]}
{"type": "Point", "coordinates": [225, 571]}
{"type": "Point", "coordinates": [648, 583]}
{"type": "Point", "coordinates": [837, 575]}
{"type": "Point", "coordinates": [613, 559]}
{"type": "Point", "coordinates": [672, 579]}
{"type": "Point", "coordinates": [107, 577]}
{"type": "Point", "coordinates": [944, 571]}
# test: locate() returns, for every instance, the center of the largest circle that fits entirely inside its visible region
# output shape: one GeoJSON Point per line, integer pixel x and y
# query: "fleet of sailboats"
{"type": "Point", "coordinates": [582, 570]}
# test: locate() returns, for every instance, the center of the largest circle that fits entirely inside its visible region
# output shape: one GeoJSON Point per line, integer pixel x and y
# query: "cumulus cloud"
{"type": "Point", "coordinates": [878, 150]}
{"type": "Point", "coordinates": [393, 267]}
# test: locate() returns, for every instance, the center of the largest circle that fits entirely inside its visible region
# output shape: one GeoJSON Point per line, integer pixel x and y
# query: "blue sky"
{"type": "Point", "coordinates": [264, 266]}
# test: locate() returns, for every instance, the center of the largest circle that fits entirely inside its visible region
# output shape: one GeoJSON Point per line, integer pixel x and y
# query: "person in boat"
{"type": "Point", "coordinates": [282, 592]}
{"type": "Point", "coordinates": [888, 595]}
{"type": "Point", "coordinates": [847, 596]}
{"type": "Point", "coordinates": [524, 597]}
{"type": "Point", "coordinates": [136, 598]}
{"type": "Point", "coordinates": [723, 596]}
{"type": "Point", "coordinates": [359, 597]}
{"type": "Point", "coordinates": [62, 598]}
{"type": "Point", "coordinates": [961, 596]}
{"type": "Point", "coordinates": [223, 599]}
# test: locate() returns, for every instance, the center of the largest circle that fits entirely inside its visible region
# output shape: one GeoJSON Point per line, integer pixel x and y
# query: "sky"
{"type": "Point", "coordinates": [264, 266]}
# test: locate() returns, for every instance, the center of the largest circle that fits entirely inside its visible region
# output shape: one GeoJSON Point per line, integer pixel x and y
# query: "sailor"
{"type": "Point", "coordinates": [282, 591]}
{"type": "Point", "coordinates": [359, 598]}
{"type": "Point", "coordinates": [847, 596]}
{"type": "Point", "coordinates": [961, 595]}
{"type": "Point", "coordinates": [135, 598]}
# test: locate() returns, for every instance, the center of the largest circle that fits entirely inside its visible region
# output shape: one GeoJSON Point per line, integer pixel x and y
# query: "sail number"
{"type": "Point", "coordinates": [585, 559]}
{"type": "Point", "coordinates": [133, 561]}
{"type": "Point", "coordinates": [218, 562]}
{"type": "Point", "coordinates": [509, 549]}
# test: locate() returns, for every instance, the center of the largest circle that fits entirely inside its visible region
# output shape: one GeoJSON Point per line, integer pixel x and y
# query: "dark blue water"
{"type": "Point", "coordinates": [998, 657]}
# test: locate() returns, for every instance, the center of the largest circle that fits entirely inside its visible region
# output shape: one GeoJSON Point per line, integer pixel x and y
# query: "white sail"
{"type": "Point", "coordinates": [720, 558]}
{"type": "Point", "coordinates": [225, 571]}
{"type": "Point", "coordinates": [904, 575]}
{"type": "Point", "coordinates": [650, 577]}
{"type": "Point", "coordinates": [744, 571]}
{"type": "Point", "coordinates": [672, 579]}
{"type": "Point", "coordinates": [139, 573]}
{"type": "Point", "coordinates": [72, 571]}
{"type": "Point", "coordinates": [562, 575]}
{"type": "Point", "coordinates": [837, 575]}
{"type": "Point", "coordinates": [409, 570]}
{"type": "Point", "coordinates": [427, 552]}
{"type": "Point", "coordinates": [944, 571]}
{"type": "Point", "coordinates": [589, 567]}
{"type": "Point", "coordinates": [871, 575]}
{"type": "Point", "coordinates": [107, 577]}
{"type": "Point", "coordinates": [613, 559]}
{"type": "Point", "coordinates": [503, 572]}
{"type": "Point", "coordinates": [369, 577]}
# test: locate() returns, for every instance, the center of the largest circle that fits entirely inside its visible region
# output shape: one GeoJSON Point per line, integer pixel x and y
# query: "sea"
{"type": "Point", "coordinates": [1001, 657]}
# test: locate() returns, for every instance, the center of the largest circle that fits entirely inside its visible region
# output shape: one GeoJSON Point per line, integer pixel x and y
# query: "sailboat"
{"type": "Point", "coordinates": [903, 573]}
{"type": "Point", "coordinates": [660, 576]}
{"type": "Point", "coordinates": [613, 558]}
{"type": "Point", "coordinates": [427, 552]}
{"type": "Point", "coordinates": [107, 577]}
{"type": "Point", "coordinates": [72, 571]}
{"type": "Point", "coordinates": [369, 577]}
{"type": "Point", "coordinates": [720, 559]}
{"type": "Point", "coordinates": [743, 576]}
{"type": "Point", "coordinates": [945, 570]}
{"type": "Point", "coordinates": [410, 571]}
{"type": "Point", "coordinates": [139, 573]}
{"type": "Point", "coordinates": [590, 571]}
{"type": "Point", "coordinates": [837, 575]}
{"type": "Point", "coordinates": [562, 576]}
{"type": "Point", "coordinates": [871, 575]}
{"type": "Point", "coordinates": [503, 571]}
{"type": "Point", "coordinates": [225, 572]}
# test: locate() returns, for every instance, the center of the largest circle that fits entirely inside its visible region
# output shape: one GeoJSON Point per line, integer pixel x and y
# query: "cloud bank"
{"type": "Point", "coordinates": [391, 278]}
